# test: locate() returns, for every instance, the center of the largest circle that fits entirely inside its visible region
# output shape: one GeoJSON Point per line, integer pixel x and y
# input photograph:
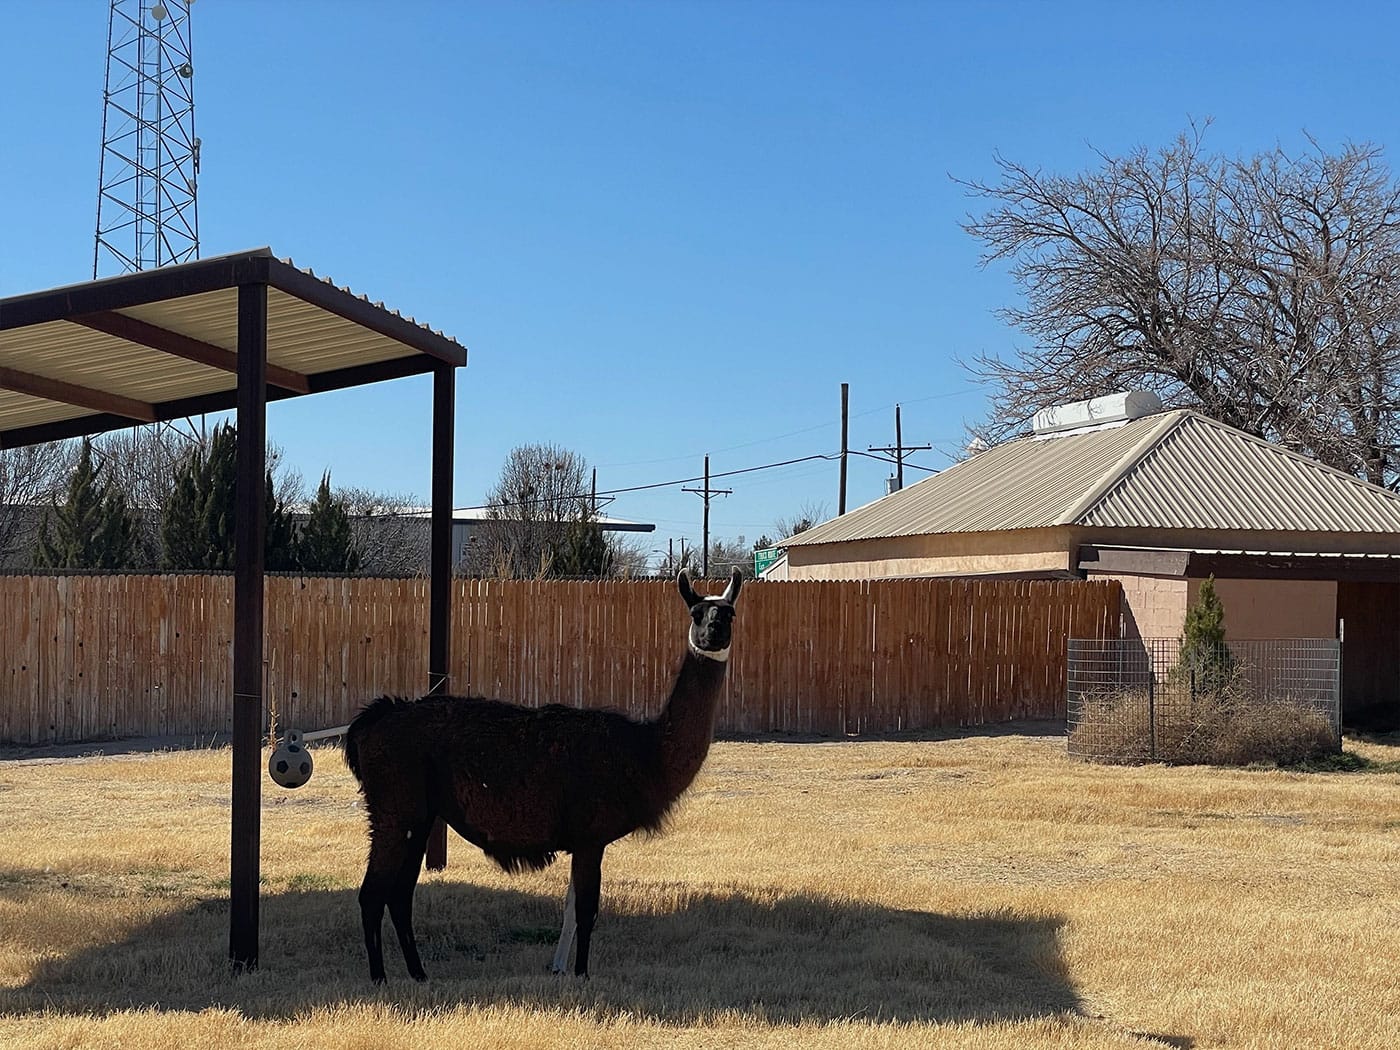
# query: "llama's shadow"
{"type": "Point", "coordinates": [679, 956]}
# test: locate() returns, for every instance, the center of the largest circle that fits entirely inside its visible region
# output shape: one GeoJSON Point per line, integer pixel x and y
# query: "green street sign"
{"type": "Point", "coordinates": [765, 557]}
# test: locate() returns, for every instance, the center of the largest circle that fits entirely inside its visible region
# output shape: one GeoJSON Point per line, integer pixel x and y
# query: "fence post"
{"type": "Point", "coordinates": [1337, 683]}
{"type": "Point", "coordinates": [1151, 712]}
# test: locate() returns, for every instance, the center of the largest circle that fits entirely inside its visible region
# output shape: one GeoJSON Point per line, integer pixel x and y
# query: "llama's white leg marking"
{"type": "Point", "coordinates": [566, 934]}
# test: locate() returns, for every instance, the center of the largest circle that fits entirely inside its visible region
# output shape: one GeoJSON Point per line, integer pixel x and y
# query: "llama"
{"type": "Point", "coordinates": [525, 784]}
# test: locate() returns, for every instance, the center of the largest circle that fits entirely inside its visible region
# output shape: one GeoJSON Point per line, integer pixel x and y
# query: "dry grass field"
{"type": "Point", "coordinates": [971, 891]}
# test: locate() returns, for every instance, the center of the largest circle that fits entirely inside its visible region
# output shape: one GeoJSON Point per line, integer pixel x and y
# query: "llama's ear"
{"type": "Point", "coordinates": [687, 592]}
{"type": "Point", "coordinates": [736, 580]}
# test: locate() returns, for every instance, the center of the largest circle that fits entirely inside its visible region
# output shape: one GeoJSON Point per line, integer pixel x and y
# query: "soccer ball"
{"type": "Point", "coordinates": [290, 765]}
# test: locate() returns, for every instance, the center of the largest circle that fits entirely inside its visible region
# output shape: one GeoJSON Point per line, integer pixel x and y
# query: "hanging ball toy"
{"type": "Point", "coordinates": [290, 764]}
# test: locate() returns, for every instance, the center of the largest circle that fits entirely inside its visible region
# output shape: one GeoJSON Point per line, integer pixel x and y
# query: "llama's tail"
{"type": "Point", "coordinates": [370, 714]}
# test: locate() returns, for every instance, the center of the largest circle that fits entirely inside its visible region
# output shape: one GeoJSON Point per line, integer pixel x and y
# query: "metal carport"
{"type": "Point", "coordinates": [231, 332]}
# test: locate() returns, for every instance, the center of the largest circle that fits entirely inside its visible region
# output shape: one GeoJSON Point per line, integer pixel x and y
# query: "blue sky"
{"type": "Point", "coordinates": [663, 229]}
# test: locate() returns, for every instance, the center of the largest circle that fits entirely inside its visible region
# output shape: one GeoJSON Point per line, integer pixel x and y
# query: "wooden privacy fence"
{"type": "Point", "coordinates": [93, 657]}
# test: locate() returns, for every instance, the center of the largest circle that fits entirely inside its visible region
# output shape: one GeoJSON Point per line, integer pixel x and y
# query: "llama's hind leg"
{"type": "Point", "coordinates": [373, 897]}
{"type": "Point", "coordinates": [566, 933]}
{"type": "Point", "coordinates": [587, 881]}
{"type": "Point", "coordinates": [401, 898]}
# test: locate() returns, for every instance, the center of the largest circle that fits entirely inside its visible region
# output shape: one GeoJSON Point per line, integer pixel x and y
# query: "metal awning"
{"type": "Point", "coordinates": [163, 344]}
{"type": "Point", "coordinates": [1199, 562]}
{"type": "Point", "coordinates": [230, 332]}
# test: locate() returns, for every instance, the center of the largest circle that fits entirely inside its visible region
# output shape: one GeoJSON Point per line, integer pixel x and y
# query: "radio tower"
{"type": "Point", "coordinates": [147, 177]}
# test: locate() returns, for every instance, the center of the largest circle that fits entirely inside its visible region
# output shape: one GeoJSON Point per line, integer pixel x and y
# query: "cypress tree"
{"type": "Point", "coordinates": [279, 538]}
{"type": "Point", "coordinates": [219, 506]}
{"type": "Point", "coordinates": [582, 551]}
{"type": "Point", "coordinates": [197, 529]}
{"type": "Point", "coordinates": [1205, 659]}
{"type": "Point", "coordinates": [326, 543]}
{"type": "Point", "coordinates": [92, 529]}
{"type": "Point", "coordinates": [181, 540]}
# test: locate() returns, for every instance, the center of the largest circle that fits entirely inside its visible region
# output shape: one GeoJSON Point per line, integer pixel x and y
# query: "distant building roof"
{"type": "Point", "coordinates": [472, 514]}
{"type": "Point", "coordinates": [1177, 469]}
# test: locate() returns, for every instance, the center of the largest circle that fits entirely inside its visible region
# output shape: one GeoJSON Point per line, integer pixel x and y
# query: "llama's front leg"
{"type": "Point", "coordinates": [401, 899]}
{"type": "Point", "coordinates": [566, 933]}
{"type": "Point", "coordinates": [587, 880]}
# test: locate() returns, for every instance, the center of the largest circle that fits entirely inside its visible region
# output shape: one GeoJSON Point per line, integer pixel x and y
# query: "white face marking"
{"type": "Point", "coordinates": [718, 655]}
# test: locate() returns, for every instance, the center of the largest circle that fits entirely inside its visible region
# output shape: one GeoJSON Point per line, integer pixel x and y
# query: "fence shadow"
{"type": "Point", "coordinates": [686, 956]}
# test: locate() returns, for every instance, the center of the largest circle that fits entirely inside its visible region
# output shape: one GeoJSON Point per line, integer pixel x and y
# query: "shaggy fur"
{"type": "Point", "coordinates": [526, 784]}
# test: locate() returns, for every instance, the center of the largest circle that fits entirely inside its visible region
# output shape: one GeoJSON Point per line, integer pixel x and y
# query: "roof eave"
{"type": "Point", "coordinates": [135, 289]}
{"type": "Point", "coordinates": [359, 310]}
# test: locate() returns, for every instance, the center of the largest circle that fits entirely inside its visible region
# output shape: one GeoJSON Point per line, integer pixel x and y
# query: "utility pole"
{"type": "Point", "coordinates": [899, 450]}
{"type": "Point", "coordinates": [706, 493]}
{"type": "Point", "coordinates": [845, 424]}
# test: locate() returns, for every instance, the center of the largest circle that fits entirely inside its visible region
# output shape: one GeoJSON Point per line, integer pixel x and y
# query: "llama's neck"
{"type": "Point", "coordinates": [687, 723]}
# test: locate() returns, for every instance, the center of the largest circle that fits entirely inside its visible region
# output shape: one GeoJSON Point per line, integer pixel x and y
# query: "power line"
{"type": "Point", "coordinates": [890, 460]}
{"type": "Point", "coordinates": [722, 474]}
{"type": "Point", "coordinates": [803, 430]}
{"type": "Point", "coordinates": [660, 484]}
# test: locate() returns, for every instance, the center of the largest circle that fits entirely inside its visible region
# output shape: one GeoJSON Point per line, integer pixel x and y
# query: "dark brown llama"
{"type": "Point", "coordinates": [525, 784]}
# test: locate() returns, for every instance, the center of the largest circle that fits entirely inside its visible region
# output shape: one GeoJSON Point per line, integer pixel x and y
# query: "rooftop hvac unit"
{"type": "Point", "coordinates": [1096, 412]}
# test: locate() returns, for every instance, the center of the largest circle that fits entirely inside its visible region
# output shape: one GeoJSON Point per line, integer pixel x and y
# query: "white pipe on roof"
{"type": "Point", "coordinates": [1097, 411]}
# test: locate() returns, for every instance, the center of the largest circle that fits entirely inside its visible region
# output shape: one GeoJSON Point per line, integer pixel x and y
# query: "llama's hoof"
{"type": "Point", "coordinates": [378, 978]}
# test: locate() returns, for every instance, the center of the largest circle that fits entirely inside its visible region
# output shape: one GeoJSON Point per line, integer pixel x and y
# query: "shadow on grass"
{"type": "Point", "coordinates": [683, 957]}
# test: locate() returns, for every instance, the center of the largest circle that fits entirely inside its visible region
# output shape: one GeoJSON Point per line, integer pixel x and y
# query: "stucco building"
{"type": "Point", "coordinates": [1158, 500]}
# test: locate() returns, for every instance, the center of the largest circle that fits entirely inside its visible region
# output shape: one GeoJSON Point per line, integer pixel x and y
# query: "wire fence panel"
{"type": "Point", "coordinates": [1154, 699]}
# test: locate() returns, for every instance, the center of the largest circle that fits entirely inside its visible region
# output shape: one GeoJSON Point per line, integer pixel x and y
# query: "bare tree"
{"type": "Point", "coordinates": [540, 519]}
{"type": "Point", "coordinates": [32, 480]}
{"type": "Point", "coordinates": [1263, 291]}
{"type": "Point", "coordinates": [726, 555]}
{"type": "Point", "coordinates": [684, 554]}
{"type": "Point", "coordinates": [630, 554]}
{"type": "Point", "coordinates": [809, 514]}
{"type": "Point", "coordinates": [390, 531]}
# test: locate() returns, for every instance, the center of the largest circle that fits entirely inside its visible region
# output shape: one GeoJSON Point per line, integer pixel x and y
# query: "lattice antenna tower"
{"type": "Point", "coordinates": [148, 174]}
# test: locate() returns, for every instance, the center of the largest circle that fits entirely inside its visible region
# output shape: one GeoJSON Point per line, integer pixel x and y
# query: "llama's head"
{"type": "Point", "coordinates": [711, 619]}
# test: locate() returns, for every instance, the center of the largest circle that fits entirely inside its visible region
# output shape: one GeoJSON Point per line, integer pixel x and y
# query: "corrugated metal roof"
{"type": "Point", "coordinates": [1172, 470]}
{"type": "Point", "coordinates": [1205, 475]}
{"type": "Point", "coordinates": [315, 328]}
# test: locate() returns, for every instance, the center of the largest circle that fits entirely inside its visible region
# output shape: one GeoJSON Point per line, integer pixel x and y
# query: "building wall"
{"type": "Point", "coordinates": [1275, 608]}
{"type": "Point", "coordinates": [948, 554]}
{"type": "Point", "coordinates": [1153, 606]}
